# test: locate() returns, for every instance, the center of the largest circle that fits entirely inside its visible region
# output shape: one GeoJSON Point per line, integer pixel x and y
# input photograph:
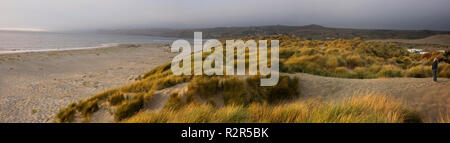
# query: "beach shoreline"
{"type": "Point", "coordinates": [34, 85]}
{"type": "Point", "coordinates": [109, 45]}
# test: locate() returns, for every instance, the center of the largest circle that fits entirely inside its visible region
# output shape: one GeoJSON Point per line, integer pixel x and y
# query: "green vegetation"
{"type": "Point", "coordinates": [307, 32]}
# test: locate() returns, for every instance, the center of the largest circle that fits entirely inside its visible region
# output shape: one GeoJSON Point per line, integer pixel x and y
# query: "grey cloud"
{"type": "Point", "coordinates": [106, 14]}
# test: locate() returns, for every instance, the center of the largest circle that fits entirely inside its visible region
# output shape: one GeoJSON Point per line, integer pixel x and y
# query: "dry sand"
{"type": "Point", "coordinates": [35, 85]}
{"type": "Point", "coordinates": [429, 97]}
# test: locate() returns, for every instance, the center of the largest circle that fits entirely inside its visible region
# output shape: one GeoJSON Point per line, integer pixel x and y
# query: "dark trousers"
{"type": "Point", "coordinates": [434, 74]}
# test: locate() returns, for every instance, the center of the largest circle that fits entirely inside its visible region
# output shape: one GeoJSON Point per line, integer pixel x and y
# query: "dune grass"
{"type": "Point", "coordinates": [370, 108]}
{"type": "Point", "coordinates": [444, 118]}
{"type": "Point", "coordinates": [129, 108]}
{"type": "Point", "coordinates": [354, 58]}
{"type": "Point", "coordinates": [243, 91]}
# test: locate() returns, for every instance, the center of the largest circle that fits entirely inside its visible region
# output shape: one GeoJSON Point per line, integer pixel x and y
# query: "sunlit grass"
{"type": "Point", "coordinates": [369, 108]}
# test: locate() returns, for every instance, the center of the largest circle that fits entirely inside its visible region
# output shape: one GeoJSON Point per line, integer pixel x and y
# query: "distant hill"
{"type": "Point", "coordinates": [314, 32]}
{"type": "Point", "coordinates": [435, 39]}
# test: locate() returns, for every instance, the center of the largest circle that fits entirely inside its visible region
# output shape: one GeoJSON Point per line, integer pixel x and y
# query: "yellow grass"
{"type": "Point", "coordinates": [369, 108]}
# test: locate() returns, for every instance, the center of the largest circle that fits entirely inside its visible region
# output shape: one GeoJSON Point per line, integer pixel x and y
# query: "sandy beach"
{"type": "Point", "coordinates": [35, 85]}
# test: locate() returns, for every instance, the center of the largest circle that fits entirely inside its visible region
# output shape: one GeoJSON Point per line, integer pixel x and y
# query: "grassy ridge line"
{"type": "Point", "coordinates": [307, 32]}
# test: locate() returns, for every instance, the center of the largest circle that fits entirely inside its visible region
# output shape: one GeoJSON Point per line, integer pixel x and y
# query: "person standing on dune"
{"type": "Point", "coordinates": [434, 67]}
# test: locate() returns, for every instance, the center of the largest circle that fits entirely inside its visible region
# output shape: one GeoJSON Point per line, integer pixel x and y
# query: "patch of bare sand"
{"type": "Point", "coordinates": [35, 85]}
{"type": "Point", "coordinates": [421, 93]}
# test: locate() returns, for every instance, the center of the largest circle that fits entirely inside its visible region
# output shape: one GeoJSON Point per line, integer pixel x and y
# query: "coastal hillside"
{"type": "Point", "coordinates": [309, 32]}
{"type": "Point", "coordinates": [435, 39]}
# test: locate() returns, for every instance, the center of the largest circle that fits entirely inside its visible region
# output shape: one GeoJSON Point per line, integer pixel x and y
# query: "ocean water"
{"type": "Point", "coordinates": [44, 41]}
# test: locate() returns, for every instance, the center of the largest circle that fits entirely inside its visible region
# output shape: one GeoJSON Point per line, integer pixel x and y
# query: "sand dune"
{"type": "Point", "coordinates": [421, 93]}
{"type": "Point", "coordinates": [430, 98]}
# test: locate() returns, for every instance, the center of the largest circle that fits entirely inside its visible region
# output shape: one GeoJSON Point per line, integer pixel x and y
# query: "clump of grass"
{"type": "Point", "coordinates": [287, 88]}
{"type": "Point", "coordinates": [67, 114]}
{"type": "Point", "coordinates": [170, 81]}
{"type": "Point", "coordinates": [175, 102]}
{"type": "Point", "coordinates": [284, 90]}
{"type": "Point", "coordinates": [234, 91]}
{"type": "Point", "coordinates": [116, 98]}
{"type": "Point", "coordinates": [444, 70]}
{"type": "Point", "coordinates": [355, 61]}
{"type": "Point", "coordinates": [343, 72]}
{"type": "Point", "coordinates": [88, 107]}
{"type": "Point", "coordinates": [419, 71]}
{"type": "Point", "coordinates": [84, 107]}
{"type": "Point", "coordinates": [205, 87]}
{"type": "Point", "coordinates": [390, 71]}
{"type": "Point", "coordinates": [362, 72]}
{"type": "Point", "coordinates": [149, 117]}
{"type": "Point", "coordinates": [369, 108]}
{"type": "Point", "coordinates": [194, 113]}
{"type": "Point", "coordinates": [101, 96]}
{"type": "Point", "coordinates": [231, 114]}
{"type": "Point", "coordinates": [129, 108]}
{"type": "Point", "coordinates": [444, 118]}
{"type": "Point", "coordinates": [158, 70]}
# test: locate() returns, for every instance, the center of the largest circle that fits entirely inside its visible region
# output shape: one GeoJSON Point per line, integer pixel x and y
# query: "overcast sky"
{"type": "Point", "coordinates": [114, 14]}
